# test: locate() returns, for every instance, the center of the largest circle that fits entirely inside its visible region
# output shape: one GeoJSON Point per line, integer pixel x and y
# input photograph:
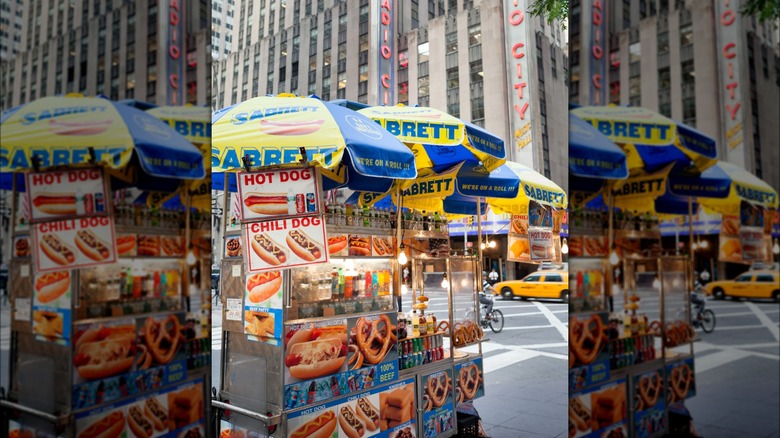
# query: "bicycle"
{"type": "Point", "coordinates": [704, 318]}
{"type": "Point", "coordinates": [494, 320]}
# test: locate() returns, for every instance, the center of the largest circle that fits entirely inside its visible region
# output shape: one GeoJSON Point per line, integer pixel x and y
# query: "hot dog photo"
{"type": "Point", "coordinates": [285, 243]}
{"type": "Point", "coordinates": [276, 193]}
{"type": "Point", "coordinates": [103, 350]}
{"type": "Point", "coordinates": [66, 193]}
{"type": "Point", "coordinates": [172, 246]}
{"type": "Point", "coordinates": [52, 306]}
{"type": "Point", "coordinates": [148, 246]}
{"type": "Point", "coordinates": [360, 245]}
{"type": "Point", "coordinates": [263, 289]}
{"type": "Point", "coordinates": [74, 243]}
{"type": "Point", "coordinates": [126, 245]}
{"type": "Point", "coordinates": [313, 351]}
{"type": "Point", "coordinates": [337, 244]}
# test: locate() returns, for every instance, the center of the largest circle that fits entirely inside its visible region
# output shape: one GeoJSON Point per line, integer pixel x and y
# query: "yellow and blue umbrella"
{"type": "Point", "coordinates": [508, 189]}
{"type": "Point", "coordinates": [439, 140]}
{"type": "Point", "coordinates": [192, 122]}
{"type": "Point", "coordinates": [351, 150]}
{"type": "Point", "coordinates": [722, 187]}
{"type": "Point", "coordinates": [650, 139]}
{"type": "Point", "coordinates": [61, 131]}
{"type": "Point", "coordinates": [592, 154]}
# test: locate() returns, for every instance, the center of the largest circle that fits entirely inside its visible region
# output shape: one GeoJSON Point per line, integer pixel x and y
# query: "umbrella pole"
{"type": "Point", "coordinates": [690, 237]}
{"type": "Point", "coordinates": [479, 248]}
{"type": "Point", "coordinates": [611, 245]}
{"type": "Point", "coordinates": [188, 244]}
{"type": "Point", "coordinates": [399, 241]}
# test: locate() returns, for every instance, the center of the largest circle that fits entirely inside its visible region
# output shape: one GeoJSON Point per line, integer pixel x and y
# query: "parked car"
{"type": "Point", "coordinates": [539, 284]}
{"type": "Point", "coordinates": [751, 284]}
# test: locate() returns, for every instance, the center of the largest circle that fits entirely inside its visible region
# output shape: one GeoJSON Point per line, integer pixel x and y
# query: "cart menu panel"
{"type": "Point", "coordinates": [388, 411]}
{"type": "Point", "coordinates": [74, 243]}
{"type": "Point", "coordinates": [340, 356]}
{"type": "Point", "coordinates": [469, 381]}
{"type": "Point", "coordinates": [285, 243]}
{"type": "Point", "coordinates": [278, 193]}
{"type": "Point", "coordinates": [599, 411]}
{"type": "Point", "coordinates": [66, 194]}
{"type": "Point", "coordinates": [649, 398]}
{"type": "Point", "coordinates": [588, 350]}
{"type": "Point", "coordinates": [437, 403]}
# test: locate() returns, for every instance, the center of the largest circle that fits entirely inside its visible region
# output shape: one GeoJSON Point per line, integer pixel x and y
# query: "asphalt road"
{"type": "Point", "coordinates": [525, 367]}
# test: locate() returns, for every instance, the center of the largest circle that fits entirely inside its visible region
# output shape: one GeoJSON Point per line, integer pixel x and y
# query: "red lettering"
{"type": "Point", "coordinates": [173, 51]}
{"type": "Point", "coordinates": [597, 52]}
{"type": "Point", "coordinates": [727, 18]}
{"type": "Point", "coordinates": [175, 4]}
{"type": "Point", "coordinates": [173, 80]}
{"type": "Point", "coordinates": [386, 80]}
{"type": "Point", "coordinates": [519, 87]}
{"type": "Point", "coordinates": [386, 52]}
{"type": "Point", "coordinates": [597, 5]}
{"type": "Point", "coordinates": [47, 179]}
{"type": "Point", "coordinates": [596, 79]}
{"type": "Point", "coordinates": [521, 111]}
{"type": "Point", "coordinates": [192, 60]}
{"type": "Point", "coordinates": [386, 4]}
{"type": "Point", "coordinates": [728, 50]}
{"type": "Point", "coordinates": [731, 86]}
{"type": "Point", "coordinates": [519, 71]}
{"type": "Point", "coordinates": [596, 18]}
{"type": "Point", "coordinates": [733, 110]}
{"type": "Point", "coordinates": [515, 53]}
{"type": "Point", "coordinates": [173, 18]}
{"type": "Point", "coordinates": [385, 18]}
{"type": "Point", "coordinates": [516, 17]}
{"type": "Point", "coordinates": [404, 88]}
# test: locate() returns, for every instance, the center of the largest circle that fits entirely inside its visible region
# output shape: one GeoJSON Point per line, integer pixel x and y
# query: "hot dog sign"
{"type": "Point", "coordinates": [284, 243]}
{"type": "Point", "coordinates": [74, 243]}
{"type": "Point", "coordinates": [67, 193]}
{"type": "Point", "coordinates": [278, 193]}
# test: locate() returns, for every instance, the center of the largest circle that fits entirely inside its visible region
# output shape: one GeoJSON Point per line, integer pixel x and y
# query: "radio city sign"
{"type": "Point", "coordinates": [597, 50]}
{"type": "Point", "coordinates": [728, 27]}
{"type": "Point", "coordinates": [386, 46]}
{"type": "Point", "coordinates": [520, 95]}
{"type": "Point", "coordinates": [175, 48]}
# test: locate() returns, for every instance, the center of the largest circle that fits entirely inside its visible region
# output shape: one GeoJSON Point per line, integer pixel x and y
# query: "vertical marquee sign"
{"type": "Point", "coordinates": [598, 50]}
{"type": "Point", "coordinates": [520, 93]}
{"type": "Point", "coordinates": [729, 29]}
{"type": "Point", "coordinates": [384, 46]}
{"type": "Point", "coordinates": [174, 51]}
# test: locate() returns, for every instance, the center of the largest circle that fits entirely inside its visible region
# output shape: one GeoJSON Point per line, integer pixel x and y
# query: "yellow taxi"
{"type": "Point", "coordinates": [552, 283]}
{"type": "Point", "coordinates": [751, 284]}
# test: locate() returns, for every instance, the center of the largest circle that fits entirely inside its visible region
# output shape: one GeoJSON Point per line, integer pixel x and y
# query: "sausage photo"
{"type": "Point", "coordinates": [316, 352]}
{"type": "Point", "coordinates": [268, 250]}
{"type": "Point", "coordinates": [148, 245]}
{"type": "Point", "coordinates": [156, 413]}
{"type": "Point", "coordinates": [263, 286]}
{"type": "Point", "coordinates": [56, 203]}
{"type": "Point", "coordinates": [266, 203]}
{"type": "Point", "coordinates": [290, 128]}
{"type": "Point", "coordinates": [359, 246]}
{"type": "Point", "coordinates": [336, 244]}
{"type": "Point", "coordinates": [91, 246]}
{"type": "Point", "coordinates": [57, 250]}
{"type": "Point", "coordinates": [110, 426]}
{"type": "Point", "coordinates": [139, 424]}
{"type": "Point", "coordinates": [321, 426]}
{"type": "Point", "coordinates": [104, 351]}
{"type": "Point", "coordinates": [367, 413]}
{"type": "Point", "coordinates": [303, 246]}
{"type": "Point", "coordinates": [49, 287]}
{"type": "Point", "coordinates": [125, 244]}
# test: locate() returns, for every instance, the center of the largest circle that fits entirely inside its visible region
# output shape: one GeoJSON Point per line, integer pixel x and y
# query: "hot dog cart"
{"type": "Point", "coordinates": [101, 342]}
{"type": "Point", "coordinates": [325, 349]}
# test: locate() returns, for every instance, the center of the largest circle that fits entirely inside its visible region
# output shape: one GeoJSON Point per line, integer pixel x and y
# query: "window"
{"type": "Point", "coordinates": [423, 87]}
{"type": "Point", "coordinates": [663, 42]}
{"type": "Point", "coordinates": [551, 278]}
{"type": "Point", "coordinates": [534, 278]}
{"type": "Point", "coordinates": [452, 78]}
{"type": "Point", "coordinates": [452, 42]}
{"type": "Point", "coordinates": [766, 278]}
{"type": "Point", "coordinates": [744, 278]}
{"type": "Point", "coordinates": [475, 71]}
{"type": "Point", "coordinates": [422, 53]}
{"type": "Point", "coordinates": [686, 35]}
{"type": "Point", "coordinates": [475, 35]}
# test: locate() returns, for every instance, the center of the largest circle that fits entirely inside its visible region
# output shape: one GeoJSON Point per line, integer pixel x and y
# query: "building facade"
{"type": "Point", "coordinates": [451, 55]}
{"type": "Point", "coordinates": [11, 12]}
{"type": "Point", "coordinates": [221, 28]}
{"type": "Point", "coordinates": [697, 61]}
{"type": "Point", "coordinates": [149, 50]}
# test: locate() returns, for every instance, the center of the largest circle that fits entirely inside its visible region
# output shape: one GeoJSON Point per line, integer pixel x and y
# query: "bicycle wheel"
{"type": "Point", "coordinates": [496, 321]}
{"type": "Point", "coordinates": [708, 321]}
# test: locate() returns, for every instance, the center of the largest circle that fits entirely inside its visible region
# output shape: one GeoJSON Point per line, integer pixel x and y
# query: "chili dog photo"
{"type": "Point", "coordinates": [172, 246]}
{"type": "Point", "coordinates": [159, 340]}
{"type": "Point", "coordinates": [337, 244]}
{"type": "Point", "coordinates": [56, 250]}
{"type": "Point", "coordinates": [281, 243]}
{"type": "Point", "coordinates": [304, 246]}
{"type": "Point", "coordinates": [579, 415]}
{"type": "Point", "coordinates": [149, 246]}
{"type": "Point", "coordinates": [313, 352]}
{"type": "Point", "coordinates": [103, 350]}
{"type": "Point", "coordinates": [519, 224]}
{"type": "Point", "coordinates": [156, 411]}
{"type": "Point", "coordinates": [372, 340]}
{"type": "Point", "coordinates": [319, 425]}
{"type": "Point", "coordinates": [349, 423]}
{"type": "Point", "coordinates": [595, 246]}
{"type": "Point", "coordinates": [359, 245]}
{"type": "Point", "coordinates": [74, 243]}
{"type": "Point", "coordinates": [92, 246]}
{"type": "Point", "coordinates": [126, 245]}
{"type": "Point", "coordinates": [140, 426]}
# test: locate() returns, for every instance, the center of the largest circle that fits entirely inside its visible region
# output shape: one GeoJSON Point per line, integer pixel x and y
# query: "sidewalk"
{"type": "Point", "coordinates": [526, 407]}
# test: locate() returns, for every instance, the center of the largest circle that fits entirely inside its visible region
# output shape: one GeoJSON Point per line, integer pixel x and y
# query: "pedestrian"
{"type": "Point", "coordinates": [493, 277]}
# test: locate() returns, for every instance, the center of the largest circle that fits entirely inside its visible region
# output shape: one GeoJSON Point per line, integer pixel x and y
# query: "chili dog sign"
{"type": "Point", "coordinates": [68, 193]}
{"type": "Point", "coordinates": [74, 243]}
{"type": "Point", "coordinates": [284, 243]}
{"type": "Point", "coordinates": [278, 193]}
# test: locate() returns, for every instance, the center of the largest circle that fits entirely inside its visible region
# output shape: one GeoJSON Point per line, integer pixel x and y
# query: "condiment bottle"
{"type": "Point", "coordinates": [431, 327]}
{"type": "Point", "coordinates": [423, 325]}
{"type": "Point", "coordinates": [415, 324]}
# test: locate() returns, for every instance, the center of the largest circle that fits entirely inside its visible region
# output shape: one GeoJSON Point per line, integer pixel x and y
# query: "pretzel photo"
{"type": "Point", "coordinates": [437, 389]}
{"type": "Point", "coordinates": [650, 387]}
{"type": "Point", "coordinates": [586, 338]}
{"type": "Point", "coordinates": [469, 380]}
{"type": "Point", "coordinates": [144, 358]}
{"type": "Point", "coordinates": [371, 341]}
{"type": "Point", "coordinates": [163, 339]}
{"type": "Point", "coordinates": [680, 381]}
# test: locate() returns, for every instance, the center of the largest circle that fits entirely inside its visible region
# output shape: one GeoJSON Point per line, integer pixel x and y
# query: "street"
{"type": "Point", "coordinates": [525, 368]}
{"type": "Point", "coordinates": [737, 378]}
